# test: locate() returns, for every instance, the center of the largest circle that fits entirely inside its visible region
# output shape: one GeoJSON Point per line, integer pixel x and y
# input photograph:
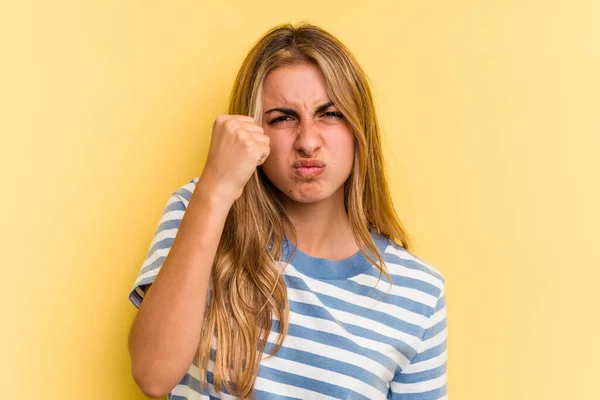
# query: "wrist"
{"type": "Point", "coordinates": [216, 192]}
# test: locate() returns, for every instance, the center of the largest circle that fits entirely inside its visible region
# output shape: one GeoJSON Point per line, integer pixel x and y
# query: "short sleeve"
{"type": "Point", "coordinates": [162, 241]}
{"type": "Point", "coordinates": [425, 377]}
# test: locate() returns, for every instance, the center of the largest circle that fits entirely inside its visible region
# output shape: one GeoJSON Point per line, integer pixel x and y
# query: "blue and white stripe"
{"type": "Point", "coordinates": [351, 336]}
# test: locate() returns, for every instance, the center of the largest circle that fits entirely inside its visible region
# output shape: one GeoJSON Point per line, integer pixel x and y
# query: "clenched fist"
{"type": "Point", "coordinates": [237, 146]}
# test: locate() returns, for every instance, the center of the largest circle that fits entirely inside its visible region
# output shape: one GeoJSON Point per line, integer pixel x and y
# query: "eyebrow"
{"type": "Point", "coordinates": [293, 113]}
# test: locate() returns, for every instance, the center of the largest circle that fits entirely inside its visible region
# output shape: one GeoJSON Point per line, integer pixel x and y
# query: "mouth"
{"type": "Point", "coordinates": [308, 171]}
{"type": "Point", "coordinates": [308, 168]}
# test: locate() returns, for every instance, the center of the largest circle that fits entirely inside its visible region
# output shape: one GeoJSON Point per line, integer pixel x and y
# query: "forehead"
{"type": "Point", "coordinates": [299, 84]}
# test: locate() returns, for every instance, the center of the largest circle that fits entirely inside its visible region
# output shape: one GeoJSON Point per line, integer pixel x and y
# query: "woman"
{"type": "Point", "coordinates": [283, 270]}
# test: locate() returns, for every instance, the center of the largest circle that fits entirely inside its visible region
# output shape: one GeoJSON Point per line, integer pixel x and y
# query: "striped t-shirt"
{"type": "Point", "coordinates": [348, 338]}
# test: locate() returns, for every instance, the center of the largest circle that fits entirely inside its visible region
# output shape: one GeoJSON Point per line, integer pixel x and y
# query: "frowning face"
{"type": "Point", "coordinates": [312, 145]}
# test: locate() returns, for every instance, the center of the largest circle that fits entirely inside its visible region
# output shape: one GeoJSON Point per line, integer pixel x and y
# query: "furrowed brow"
{"type": "Point", "coordinates": [324, 107]}
{"type": "Point", "coordinates": [293, 113]}
{"type": "Point", "coordinates": [285, 111]}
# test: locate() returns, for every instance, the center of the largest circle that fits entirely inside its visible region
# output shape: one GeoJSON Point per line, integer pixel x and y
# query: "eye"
{"type": "Point", "coordinates": [282, 118]}
{"type": "Point", "coordinates": [335, 114]}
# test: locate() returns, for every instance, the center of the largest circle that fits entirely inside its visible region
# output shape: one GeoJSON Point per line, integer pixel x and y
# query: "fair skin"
{"type": "Point", "coordinates": [302, 123]}
{"type": "Point", "coordinates": [166, 331]}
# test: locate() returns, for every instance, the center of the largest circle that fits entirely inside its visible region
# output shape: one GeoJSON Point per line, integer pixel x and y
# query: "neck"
{"type": "Point", "coordinates": [323, 228]}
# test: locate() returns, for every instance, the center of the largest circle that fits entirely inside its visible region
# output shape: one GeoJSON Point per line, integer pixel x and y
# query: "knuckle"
{"type": "Point", "coordinates": [230, 124]}
{"type": "Point", "coordinates": [242, 135]}
{"type": "Point", "coordinates": [220, 119]}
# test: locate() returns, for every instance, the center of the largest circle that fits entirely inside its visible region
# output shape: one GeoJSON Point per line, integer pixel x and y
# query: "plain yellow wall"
{"type": "Point", "coordinates": [491, 116]}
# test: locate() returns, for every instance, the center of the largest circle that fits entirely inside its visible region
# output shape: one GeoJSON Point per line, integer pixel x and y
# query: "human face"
{"type": "Point", "coordinates": [312, 145]}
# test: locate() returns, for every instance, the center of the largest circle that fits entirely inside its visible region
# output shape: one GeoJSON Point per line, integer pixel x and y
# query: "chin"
{"type": "Point", "coordinates": [307, 199]}
{"type": "Point", "coordinates": [308, 194]}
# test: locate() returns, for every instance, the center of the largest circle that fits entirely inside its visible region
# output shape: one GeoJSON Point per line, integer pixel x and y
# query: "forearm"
{"type": "Point", "coordinates": [165, 334]}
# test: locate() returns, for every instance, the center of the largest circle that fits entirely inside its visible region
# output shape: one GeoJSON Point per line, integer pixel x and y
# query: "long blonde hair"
{"type": "Point", "coordinates": [246, 286]}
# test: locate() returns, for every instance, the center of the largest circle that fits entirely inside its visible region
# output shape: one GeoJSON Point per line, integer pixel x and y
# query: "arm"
{"type": "Point", "coordinates": [425, 377]}
{"type": "Point", "coordinates": [165, 333]}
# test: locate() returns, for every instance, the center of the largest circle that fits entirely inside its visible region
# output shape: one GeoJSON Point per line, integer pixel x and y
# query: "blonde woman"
{"type": "Point", "coordinates": [283, 271]}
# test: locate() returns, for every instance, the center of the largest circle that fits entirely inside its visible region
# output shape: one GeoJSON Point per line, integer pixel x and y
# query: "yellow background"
{"type": "Point", "coordinates": [491, 117]}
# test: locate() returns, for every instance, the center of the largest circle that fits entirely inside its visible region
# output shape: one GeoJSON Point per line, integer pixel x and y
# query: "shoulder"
{"type": "Point", "coordinates": [184, 192]}
{"type": "Point", "coordinates": [406, 266]}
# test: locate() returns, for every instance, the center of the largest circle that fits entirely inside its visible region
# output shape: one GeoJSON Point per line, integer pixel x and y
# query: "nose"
{"type": "Point", "coordinates": [308, 140]}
